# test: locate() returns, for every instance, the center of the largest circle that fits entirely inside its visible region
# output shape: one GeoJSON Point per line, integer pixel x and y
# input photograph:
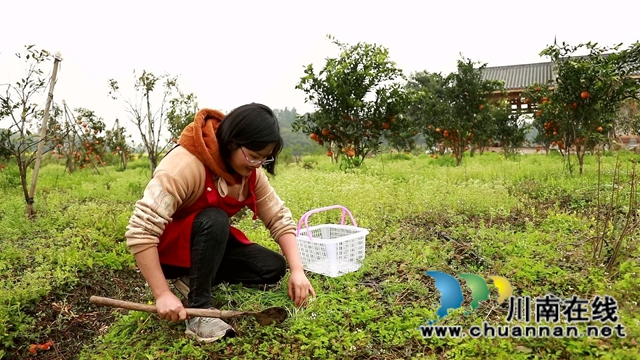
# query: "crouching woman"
{"type": "Point", "coordinates": [180, 228]}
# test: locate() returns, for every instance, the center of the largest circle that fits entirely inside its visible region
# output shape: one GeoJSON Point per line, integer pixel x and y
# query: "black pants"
{"type": "Point", "coordinates": [217, 257]}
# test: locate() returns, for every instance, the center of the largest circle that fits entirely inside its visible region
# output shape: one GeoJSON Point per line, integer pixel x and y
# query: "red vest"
{"type": "Point", "coordinates": [175, 242]}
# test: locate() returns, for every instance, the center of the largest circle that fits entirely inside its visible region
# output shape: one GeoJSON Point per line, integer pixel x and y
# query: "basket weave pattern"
{"type": "Point", "coordinates": [332, 250]}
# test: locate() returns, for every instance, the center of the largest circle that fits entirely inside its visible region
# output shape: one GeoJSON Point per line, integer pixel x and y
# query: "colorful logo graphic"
{"type": "Point", "coordinates": [451, 291]}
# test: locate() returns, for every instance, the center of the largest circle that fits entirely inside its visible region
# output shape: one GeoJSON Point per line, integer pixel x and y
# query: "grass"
{"type": "Point", "coordinates": [525, 219]}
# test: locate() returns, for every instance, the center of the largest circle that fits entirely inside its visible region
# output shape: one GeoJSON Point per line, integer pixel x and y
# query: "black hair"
{"type": "Point", "coordinates": [253, 126]}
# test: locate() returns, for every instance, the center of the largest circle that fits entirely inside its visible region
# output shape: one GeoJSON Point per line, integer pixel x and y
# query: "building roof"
{"type": "Point", "coordinates": [520, 76]}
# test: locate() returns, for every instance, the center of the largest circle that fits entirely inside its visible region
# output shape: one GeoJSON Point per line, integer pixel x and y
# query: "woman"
{"type": "Point", "coordinates": [180, 228]}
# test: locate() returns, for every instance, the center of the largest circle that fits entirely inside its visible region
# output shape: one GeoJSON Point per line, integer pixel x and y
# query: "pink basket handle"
{"type": "Point", "coordinates": [305, 217]}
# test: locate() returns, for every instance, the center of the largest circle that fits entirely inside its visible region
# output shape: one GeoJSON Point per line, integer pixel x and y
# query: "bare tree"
{"type": "Point", "coordinates": [20, 109]}
{"type": "Point", "coordinates": [149, 120]}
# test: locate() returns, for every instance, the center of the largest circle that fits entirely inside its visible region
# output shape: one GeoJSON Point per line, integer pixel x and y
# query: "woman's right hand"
{"type": "Point", "coordinates": [169, 307]}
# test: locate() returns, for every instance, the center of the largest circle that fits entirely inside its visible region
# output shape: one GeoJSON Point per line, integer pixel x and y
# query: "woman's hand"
{"type": "Point", "coordinates": [169, 307]}
{"type": "Point", "coordinates": [299, 287]}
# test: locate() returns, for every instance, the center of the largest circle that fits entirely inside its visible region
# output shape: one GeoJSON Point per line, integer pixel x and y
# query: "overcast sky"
{"type": "Point", "coordinates": [235, 52]}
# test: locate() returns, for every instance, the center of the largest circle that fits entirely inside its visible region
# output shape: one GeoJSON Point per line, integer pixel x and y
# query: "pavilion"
{"type": "Point", "coordinates": [518, 77]}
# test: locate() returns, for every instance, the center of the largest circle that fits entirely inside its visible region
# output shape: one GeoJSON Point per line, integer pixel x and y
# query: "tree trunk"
{"type": "Point", "coordinates": [22, 169]}
{"type": "Point", "coordinates": [70, 164]}
{"type": "Point", "coordinates": [151, 146]}
{"type": "Point", "coordinates": [580, 155]}
{"type": "Point", "coordinates": [123, 160]}
{"type": "Point", "coordinates": [153, 162]}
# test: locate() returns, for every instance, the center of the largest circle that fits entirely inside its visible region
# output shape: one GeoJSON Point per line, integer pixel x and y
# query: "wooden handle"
{"type": "Point", "coordinates": [99, 300]}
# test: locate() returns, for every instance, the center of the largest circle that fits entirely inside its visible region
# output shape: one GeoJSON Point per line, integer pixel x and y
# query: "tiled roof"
{"type": "Point", "coordinates": [520, 76]}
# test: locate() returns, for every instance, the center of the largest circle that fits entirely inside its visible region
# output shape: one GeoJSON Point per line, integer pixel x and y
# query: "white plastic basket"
{"type": "Point", "coordinates": [328, 249]}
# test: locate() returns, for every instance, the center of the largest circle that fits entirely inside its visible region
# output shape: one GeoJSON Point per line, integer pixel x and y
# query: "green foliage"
{"type": "Point", "coordinates": [296, 142]}
{"type": "Point", "coordinates": [41, 256]}
{"type": "Point", "coordinates": [509, 127]}
{"type": "Point", "coordinates": [587, 93]}
{"type": "Point", "coordinates": [490, 216]}
{"type": "Point", "coordinates": [450, 108]}
{"type": "Point", "coordinates": [20, 109]}
{"type": "Point", "coordinates": [78, 141]}
{"type": "Point", "coordinates": [116, 141]}
{"type": "Point", "coordinates": [357, 97]}
{"type": "Point", "coordinates": [401, 134]}
{"type": "Point", "coordinates": [544, 121]}
{"type": "Point", "coordinates": [182, 110]}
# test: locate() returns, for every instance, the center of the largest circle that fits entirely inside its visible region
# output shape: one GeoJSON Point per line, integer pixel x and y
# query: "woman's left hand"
{"type": "Point", "coordinates": [300, 287]}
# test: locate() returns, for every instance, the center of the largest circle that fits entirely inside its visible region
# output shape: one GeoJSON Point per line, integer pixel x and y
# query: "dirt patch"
{"type": "Point", "coordinates": [67, 319]}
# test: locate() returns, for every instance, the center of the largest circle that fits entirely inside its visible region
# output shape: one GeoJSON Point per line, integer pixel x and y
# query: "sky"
{"type": "Point", "coordinates": [236, 52]}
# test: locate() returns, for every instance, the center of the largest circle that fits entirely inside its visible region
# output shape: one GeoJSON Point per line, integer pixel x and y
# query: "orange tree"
{"type": "Point", "coordinates": [508, 126]}
{"type": "Point", "coordinates": [356, 96]}
{"type": "Point", "coordinates": [490, 114]}
{"type": "Point", "coordinates": [400, 132]}
{"type": "Point", "coordinates": [451, 108]}
{"type": "Point", "coordinates": [588, 93]}
{"type": "Point", "coordinates": [538, 98]}
{"type": "Point", "coordinates": [426, 94]}
{"type": "Point", "coordinates": [79, 140]}
{"type": "Point", "coordinates": [116, 142]}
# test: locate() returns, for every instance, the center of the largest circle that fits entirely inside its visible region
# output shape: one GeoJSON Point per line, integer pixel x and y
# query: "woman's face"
{"type": "Point", "coordinates": [244, 161]}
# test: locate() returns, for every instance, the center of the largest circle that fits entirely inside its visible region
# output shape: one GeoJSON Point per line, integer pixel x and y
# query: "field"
{"type": "Point", "coordinates": [526, 219]}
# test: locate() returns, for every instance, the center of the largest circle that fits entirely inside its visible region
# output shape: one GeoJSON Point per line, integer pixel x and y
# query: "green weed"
{"type": "Point", "coordinates": [526, 219]}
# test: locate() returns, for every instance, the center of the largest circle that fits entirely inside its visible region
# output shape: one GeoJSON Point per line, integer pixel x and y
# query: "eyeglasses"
{"type": "Point", "coordinates": [254, 162]}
